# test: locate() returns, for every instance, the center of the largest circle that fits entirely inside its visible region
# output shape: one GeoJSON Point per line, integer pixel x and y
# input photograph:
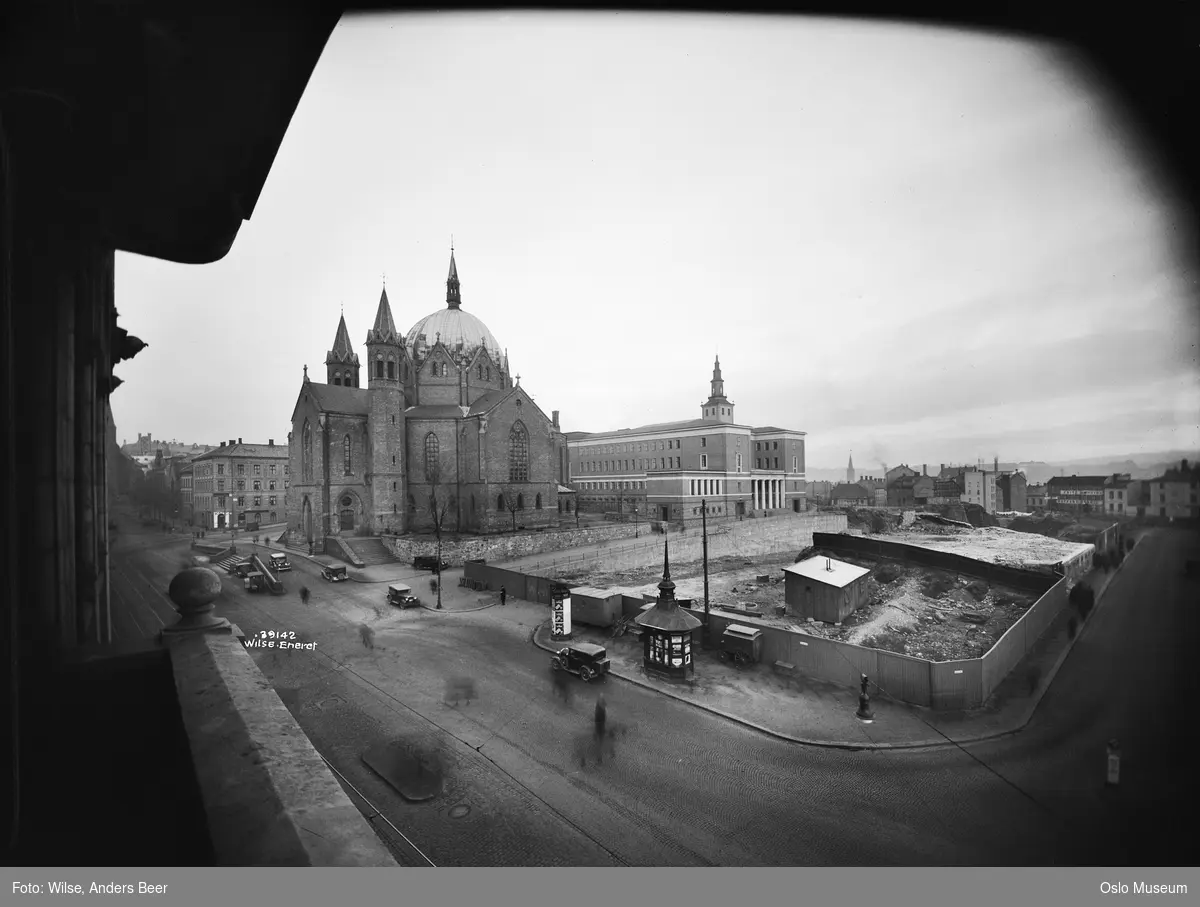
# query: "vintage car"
{"type": "Point", "coordinates": [279, 561]}
{"type": "Point", "coordinates": [427, 562]}
{"type": "Point", "coordinates": [242, 569]}
{"type": "Point", "coordinates": [335, 574]}
{"type": "Point", "coordinates": [583, 658]}
{"type": "Point", "coordinates": [402, 596]}
{"type": "Point", "coordinates": [255, 582]}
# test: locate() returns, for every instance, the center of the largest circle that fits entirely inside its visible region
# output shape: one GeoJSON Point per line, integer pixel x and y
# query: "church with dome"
{"type": "Point", "coordinates": [436, 429]}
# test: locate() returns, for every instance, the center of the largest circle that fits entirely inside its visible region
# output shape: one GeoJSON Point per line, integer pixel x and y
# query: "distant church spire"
{"type": "Point", "coordinates": [453, 293]}
{"type": "Point", "coordinates": [850, 470]}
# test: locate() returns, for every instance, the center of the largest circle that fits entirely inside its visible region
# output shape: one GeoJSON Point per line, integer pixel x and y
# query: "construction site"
{"type": "Point", "coordinates": [911, 609]}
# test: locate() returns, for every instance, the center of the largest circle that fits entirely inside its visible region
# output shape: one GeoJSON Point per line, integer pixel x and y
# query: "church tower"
{"type": "Point", "coordinates": [341, 362]}
{"type": "Point", "coordinates": [717, 408]}
{"type": "Point", "coordinates": [385, 348]}
{"type": "Point", "coordinates": [850, 471]}
{"type": "Point", "coordinates": [386, 359]}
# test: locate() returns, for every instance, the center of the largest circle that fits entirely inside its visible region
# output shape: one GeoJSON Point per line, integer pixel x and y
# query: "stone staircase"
{"type": "Point", "coordinates": [370, 551]}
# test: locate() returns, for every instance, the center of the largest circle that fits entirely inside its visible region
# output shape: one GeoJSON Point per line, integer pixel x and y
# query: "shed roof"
{"type": "Point", "coordinates": [815, 568]}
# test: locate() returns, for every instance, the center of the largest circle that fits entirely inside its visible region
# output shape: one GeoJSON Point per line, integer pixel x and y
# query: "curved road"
{"type": "Point", "coordinates": [685, 787]}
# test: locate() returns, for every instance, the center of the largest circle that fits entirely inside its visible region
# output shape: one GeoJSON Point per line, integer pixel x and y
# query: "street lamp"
{"type": "Point", "coordinates": [635, 523]}
{"type": "Point", "coordinates": [704, 544]}
{"type": "Point", "coordinates": [864, 713]}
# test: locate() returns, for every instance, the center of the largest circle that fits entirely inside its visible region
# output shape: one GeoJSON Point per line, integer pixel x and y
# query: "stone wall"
{"type": "Point", "coordinates": [749, 538]}
{"type": "Point", "coordinates": [506, 547]}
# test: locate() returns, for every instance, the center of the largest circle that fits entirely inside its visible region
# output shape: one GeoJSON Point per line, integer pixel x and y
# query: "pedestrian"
{"type": "Point", "coordinates": [304, 595]}
{"type": "Point", "coordinates": [368, 636]}
{"type": "Point", "coordinates": [601, 716]}
{"type": "Point", "coordinates": [503, 595]}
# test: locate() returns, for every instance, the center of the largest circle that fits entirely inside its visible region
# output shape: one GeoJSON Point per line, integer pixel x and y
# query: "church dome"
{"type": "Point", "coordinates": [454, 327]}
{"type": "Point", "coordinates": [459, 331]}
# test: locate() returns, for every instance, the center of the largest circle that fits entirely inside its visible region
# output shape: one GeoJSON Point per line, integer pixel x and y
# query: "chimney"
{"type": "Point", "coordinates": [222, 443]}
{"type": "Point", "coordinates": [924, 469]}
{"type": "Point", "coordinates": [239, 440]}
{"type": "Point", "coordinates": [231, 442]}
{"type": "Point", "coordinates": [270, 442]}
{"type": "Point", "coordinates": [554, 418]}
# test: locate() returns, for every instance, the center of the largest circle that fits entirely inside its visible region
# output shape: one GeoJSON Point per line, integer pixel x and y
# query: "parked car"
{"type": "Point", "coordinates": [586, 659]}
{"type": "Point", "coordinates": [425, 562]}
{"type": "Point", "coordinates": [243, 569]}
{"type": "Point", "coordinates": [255, 582]}
{"type": "Point", "coordinates": [280, 562]}
{"type": "Point", "coordinates": [335, 574]}
{"type": "Point", "coordinates": [402, 596]}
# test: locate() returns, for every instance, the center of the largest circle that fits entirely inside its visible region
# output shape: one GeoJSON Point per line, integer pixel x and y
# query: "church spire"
{"type": "Point", "coordinates": [453, 294]}
{"type": "Point", "coordinates": [341, 362]}
{"type": "Point", "coordinates": [850, 470]}
{"type": "Point", "coordinates": [384, 329]}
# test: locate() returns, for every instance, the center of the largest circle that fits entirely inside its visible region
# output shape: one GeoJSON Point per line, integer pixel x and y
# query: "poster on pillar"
{"type": "Point", "coordinates": [561, 619]}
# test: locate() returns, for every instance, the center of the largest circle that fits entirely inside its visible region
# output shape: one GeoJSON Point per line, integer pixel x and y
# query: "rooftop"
{"type": "Point", "coordinates": [828, 571]}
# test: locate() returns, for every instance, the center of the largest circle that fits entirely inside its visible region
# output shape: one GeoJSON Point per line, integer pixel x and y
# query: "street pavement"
{"type": "Point", "coordinates": [686, 786]}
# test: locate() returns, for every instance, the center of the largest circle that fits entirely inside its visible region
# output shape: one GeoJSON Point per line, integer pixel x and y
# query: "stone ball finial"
{"type": "Point", "coordinates": [193, 591]}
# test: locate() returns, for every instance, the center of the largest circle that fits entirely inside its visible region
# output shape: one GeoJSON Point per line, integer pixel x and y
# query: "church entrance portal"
{"type": "Point", "coordinates": [346, 516]}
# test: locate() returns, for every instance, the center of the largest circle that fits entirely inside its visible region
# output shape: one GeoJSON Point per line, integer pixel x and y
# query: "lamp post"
{"type": "Point", "coordinates": [635, 523]}
{"type": "Point", "coordinates": [704, 549]}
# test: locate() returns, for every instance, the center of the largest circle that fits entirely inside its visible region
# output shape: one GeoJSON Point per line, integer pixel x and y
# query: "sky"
{"type": "Point", "coordinates": [918, 245]}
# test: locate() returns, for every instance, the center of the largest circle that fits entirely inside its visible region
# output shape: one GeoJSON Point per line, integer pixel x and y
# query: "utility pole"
{"type": "Point", "coordinates": [704, 548]}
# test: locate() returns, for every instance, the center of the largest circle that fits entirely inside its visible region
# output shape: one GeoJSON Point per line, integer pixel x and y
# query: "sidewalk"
{"type": "Point", "coordinates": [818, 713]}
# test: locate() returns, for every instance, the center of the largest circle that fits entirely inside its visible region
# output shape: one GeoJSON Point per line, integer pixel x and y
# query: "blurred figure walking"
{"type": "Point", "coordinates": [304, 595]}
{"type": "Point", "coordinates": [601, 716]}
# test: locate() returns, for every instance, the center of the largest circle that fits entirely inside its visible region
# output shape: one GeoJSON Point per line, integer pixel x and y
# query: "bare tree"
{"type": "Point", "coordinates": [439, 505]}
{"type": "Point", "coordinates": [511, 498]}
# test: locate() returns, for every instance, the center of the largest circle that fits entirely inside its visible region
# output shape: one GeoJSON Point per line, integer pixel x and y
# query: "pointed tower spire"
{"type": "Point", "coordinates": [385, 348]}
{"type": "Point", "coordinates": [384, 329]}
{"type": "Point", "coordinates": [666, 588]}
{"type": "Point", "coordinates": [717, 408]}
{"type": "Point", "coordinates": [850, 470]}
{"type": "Point", "coordinates": [341, 362]}
{"type": "Point", "coordinates": [453, 293]}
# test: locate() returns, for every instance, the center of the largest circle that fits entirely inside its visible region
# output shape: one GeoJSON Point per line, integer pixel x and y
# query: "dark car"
{"type": "Point", "coordinates": [583, 658]}
{"type": "Point", "coordinates": [401, 596]}
{"type": "Point", "coordinates": [335, 574]}
{"type": "Point", "coordinates": [424, 562]}
{"type": "Point", "coordinates": [243, 569]}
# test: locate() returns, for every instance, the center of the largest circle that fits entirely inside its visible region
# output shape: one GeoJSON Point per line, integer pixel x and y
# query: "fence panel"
{"type": "Point", "coordinates": [902, 677]}
{"type": "Point", "coordinates": [956, 684]}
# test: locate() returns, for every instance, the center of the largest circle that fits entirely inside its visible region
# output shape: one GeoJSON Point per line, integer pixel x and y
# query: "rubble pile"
{"type": "Point", "coordinates": [927, 613]}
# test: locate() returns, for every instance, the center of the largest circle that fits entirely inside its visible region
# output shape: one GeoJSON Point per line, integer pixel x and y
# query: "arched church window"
{"type": "Point", "coordinates": [481, 371]}
{"type": "Point", "coordinates": [391, 367]}
{"type": "Point", "coordinates": [489, 373]}
{"type": "Point", "coordinates": [346, 455]}
{"type": "Point", "coordinates": [520, 502]}
{"type": "Point", "coordinates": [500, 502]}
{"type": "Point", "coordinates": [472, 503]}
{"type": "Point", "coordinates": [378, 368]}
{"type": "Point", "coordinates": [432, 449]}
{"type": "Point", "coordinates": [518, 454]}
{"type": "Point", "coordinates": [537, 504]}
{"type": "Point", "coordinates": [306, 451]}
